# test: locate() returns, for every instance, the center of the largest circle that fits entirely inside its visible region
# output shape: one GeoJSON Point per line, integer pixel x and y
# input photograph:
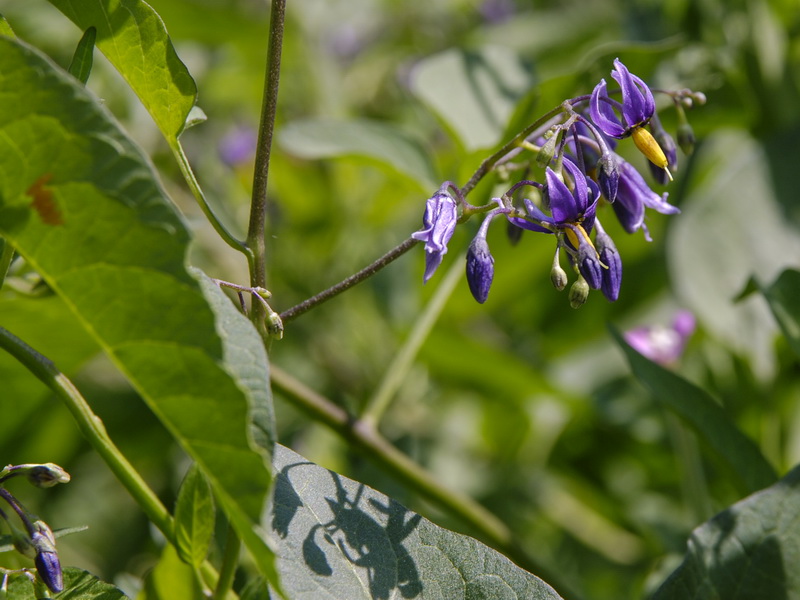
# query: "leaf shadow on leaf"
{"type": "Point", "coordinates": [355, 534]}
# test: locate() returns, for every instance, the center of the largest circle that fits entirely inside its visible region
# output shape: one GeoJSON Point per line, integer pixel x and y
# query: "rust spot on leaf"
{"type": "Point", "coordinates": [43, 202]}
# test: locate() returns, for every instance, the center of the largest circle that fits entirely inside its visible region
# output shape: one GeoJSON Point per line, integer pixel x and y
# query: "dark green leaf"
{"type": "Point", "coordinates": [194, 517]}
{"type": "Point", "coordinates": [748, 552]}
{"type": "Point", "coordinates": [473, 91]}
{"type": "Point", "coordinates": [78, 585]}
{"type": "Point", "coordinates": [134, 39]}
{"type": "Point", "coordinates": [325, 138]}
{"type": "Point", "coordinates": [81, 65]}
{"type": "Point", "coordinates": [782, 296]}
{"type": "Point", "coordinates": [706, 417]}
{"type": "Point", "coordinates": [337, 538]}
{"type": "Point", "coordinates": [86, 211]}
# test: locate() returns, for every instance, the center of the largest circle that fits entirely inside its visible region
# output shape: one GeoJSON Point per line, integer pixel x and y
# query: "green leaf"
{"type": "Point", "coordinates": [782, 296]}
{"type": "Point", "coordinates": [170, 579]}
{"type": "Point", "coordinates": [326, 138]}
{"type": "Point", "coordinates": [711, 423]}
{"type": "Point", "coordinates": [86, 211]}
{"type": "Point", "coordinates": [473, 91]}
{"type": "Point", "coordinates": [337, 538]}
{"type": "Point", "coordinates": [134, 39]}
{"type": "Point", "coordinates": [748, 552]}
{"type": "Point", "coordinates": [78, 585]}
{"type": "Point", "coordinates": [81, 65]}
{"type": "Point", "coordinates": [5, 28]}
{"type": "Point", "coordinates": [194, 517]}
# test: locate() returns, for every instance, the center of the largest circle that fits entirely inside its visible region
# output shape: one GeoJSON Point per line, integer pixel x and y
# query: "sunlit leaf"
{"type": "Point", "coordinates": [134, 39]}
{"type": "Point", "coordinates": [749, 552]}
{"type": "Point", "coordinates": [337, 538]}
{"type": "Point", "coordinates": [116, 257]}
{"type": "Point", "coordinates": [326, 138]}
{"type": "Point", "coordinates": [81, 65]}
{"type": "Point", "coordinates": [194, 517]}
{"type": "Point", "coordinates": [711, 423]}
{"type": "Point", "coordinates": [473, 91]}
{"type": "Point", "coordinates": [170, 579]}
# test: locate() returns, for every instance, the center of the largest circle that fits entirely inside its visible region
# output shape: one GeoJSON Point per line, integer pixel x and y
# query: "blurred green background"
{"type": "Point", "coordinates": [524, 403]}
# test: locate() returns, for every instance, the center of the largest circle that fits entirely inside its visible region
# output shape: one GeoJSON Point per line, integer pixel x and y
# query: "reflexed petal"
{"type": "Point", "coordinates": [562, 202]}
{"type": "Point", "coordinates": [638, 104]}
{"type": "Point", "coordinates": [581, 191]}
{"type": "Point", "coordinates": [602, 112]}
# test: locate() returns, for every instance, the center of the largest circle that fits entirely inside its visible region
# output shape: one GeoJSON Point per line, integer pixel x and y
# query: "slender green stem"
{"type": "Point", "coordinates": [366, 438]}
{"type": "Point", "coordinates": [95, 432]}
{"type": "Point", "coordinates": [6, 256]}
{"type": "Point", "coordinates": [258, 205]}
{"type": "Point", "coordinates": [398, 369]}
{"type": "Point", "coordinates": [340, 287]}
{"type": "Point", "coordinates": [230, 560]}
{"type": "Point", "coordinates": [197, 192]}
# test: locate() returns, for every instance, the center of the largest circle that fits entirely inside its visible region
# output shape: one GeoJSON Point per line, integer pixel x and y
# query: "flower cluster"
{"type": "Point", "coordinates": [582, 172]}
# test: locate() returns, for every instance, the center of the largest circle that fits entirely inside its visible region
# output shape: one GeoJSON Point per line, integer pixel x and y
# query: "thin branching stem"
{"type": "Point", "coordinates": [256, 230]}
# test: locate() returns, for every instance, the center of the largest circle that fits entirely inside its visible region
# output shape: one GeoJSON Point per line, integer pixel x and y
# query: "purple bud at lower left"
{"type": "Point", "coordinates": [480, 269]}
{"type": "Point", "coordinates": [49, 568]}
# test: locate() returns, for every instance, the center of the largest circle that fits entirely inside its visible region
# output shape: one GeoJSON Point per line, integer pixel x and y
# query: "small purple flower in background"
{"type": "Point", "coordinates": [238, 146]}
{"type": "Point", "coordinates": [633, 195]}
{"type": "Point", "coordinates": [497, 11]}
{"type": "Point", "coordinates": [438, 225]}
{"type": "Point", "coordinates": [663, 345]}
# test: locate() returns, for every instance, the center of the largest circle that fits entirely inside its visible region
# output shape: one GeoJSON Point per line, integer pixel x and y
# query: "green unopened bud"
{"type": "Point", "coordinates": [558, 276]}
{"type": "Point", "coordinates": [578, 293]}
{"type": "Point", "coordinates": [548, 150]}
{"type": "Point", "coordinates": [47, 475]}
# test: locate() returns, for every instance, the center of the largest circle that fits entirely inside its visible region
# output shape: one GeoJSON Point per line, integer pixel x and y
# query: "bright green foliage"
{"type": "Point", "coordinates": [171, 578]}
{"type": "Point", "coordinates": [85, 210]}
{"type": "Point", "coordinates": [749, 551]}
{"type": "Point", "coordinates": [194, 517]}
{"type": "Point", "coordinates": [134, 39]}
{"type": "Point", "coordinates": [701, 412]}
{"type": "Point", "coordinates": [325, 138]}
{"type": "Point", "coordinates": [473, 91]}
{"type": "Point", "coordinates": [81, 65]}
{"type": "Point", "coordinates": [338, 538]}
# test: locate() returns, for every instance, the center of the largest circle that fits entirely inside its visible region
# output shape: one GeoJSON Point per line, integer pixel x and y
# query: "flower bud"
{"type": "Point", "coordinates": [608, 176]}
{"type": "Point", "coordinates": [589, 265]}
{"type": "Point", "coordinates": [612, 273]}
{"type": "Point", "coordinates": [47, 475]}
{"type": "Point", "coordinates": [47, 564]}
{"type": "Point", "coordinates": [480, 269]}
{"type": "Point", "coordinates": [578, 293]}
{"type": "Point", "coordinates": [686, 137]}
{"type": "Point", "coordinates": [548, 150]}
{"type": "Point", "coordinates": [558, 277]}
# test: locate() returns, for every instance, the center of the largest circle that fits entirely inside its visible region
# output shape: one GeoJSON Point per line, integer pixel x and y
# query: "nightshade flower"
{"type": "Point", "coordinates": [439, 223]}
{"type": "Point", "coordinates": [636, 109]}
{"type": "Point", "coordinates": [633, 195]}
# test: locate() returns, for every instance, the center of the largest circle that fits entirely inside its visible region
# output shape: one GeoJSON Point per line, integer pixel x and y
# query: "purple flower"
{"type": "Point", "coordinates": [439, 223]}
{"type": "Point", "coordinates": [609, 256]}
{"type": "Point", "coordinates": [633, 195]}
{"type": "Point", "coordinates": [238, 146]}
{"type": "Point", "coordinates": [663, 345]}
{"type": "Point", "coordinates": [480, 268]}
{"type": "Point", "coordinates": [636, 108]}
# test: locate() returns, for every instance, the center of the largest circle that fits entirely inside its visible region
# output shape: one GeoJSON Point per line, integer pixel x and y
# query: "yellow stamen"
{"type": "Point", "coordinates": [648, 146]}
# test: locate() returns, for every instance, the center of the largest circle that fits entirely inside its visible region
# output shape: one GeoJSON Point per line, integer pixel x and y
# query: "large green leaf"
{"type": "Point", "coordinates": [473, 91]}
{"type": "Point", "coordinates": [782, 296]}
{"type": "Point", "coordinates": [133, 38]}
{"type": "Point", "coordinates": [325, 138]}
{"type": "Point", "coordinates": [748, 552]}
{"type": "Point", "coordinates": [706, 417]}
{"type": "Point", "coordinates": [337, 538]}
{"type": "Point", "coordinates": [81, 203]}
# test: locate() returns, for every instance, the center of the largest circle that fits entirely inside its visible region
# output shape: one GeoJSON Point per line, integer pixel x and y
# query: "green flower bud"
{"type": "Point", "coordinates": [578, 293]}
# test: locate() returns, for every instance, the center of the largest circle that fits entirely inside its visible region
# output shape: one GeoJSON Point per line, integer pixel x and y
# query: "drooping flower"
{"type": "Point", "coordinates": [636, 108]}
{"type": "Point", "coordinates": [663, 344]}
{"type": "Point", "coordinates": [438, 225]}
{"type": "Point", "coordinates": [633, 195]}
